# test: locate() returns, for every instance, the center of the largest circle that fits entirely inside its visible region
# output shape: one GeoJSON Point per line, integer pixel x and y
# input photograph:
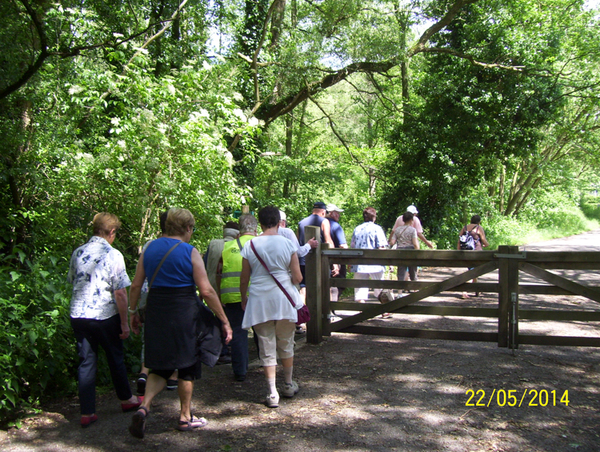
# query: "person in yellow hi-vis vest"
{"type": "Point", "coordinates": [228, 281]}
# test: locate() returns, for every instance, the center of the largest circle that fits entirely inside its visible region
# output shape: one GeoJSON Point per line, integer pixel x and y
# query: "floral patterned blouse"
{"type": "Point", "coordinates": [96, 271]}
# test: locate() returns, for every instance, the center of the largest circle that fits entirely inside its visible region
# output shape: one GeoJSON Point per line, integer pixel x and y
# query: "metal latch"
{"type": "Point", "coordinates": [522, 255]}
{"type": "Point", "coordinates": [342, 253]}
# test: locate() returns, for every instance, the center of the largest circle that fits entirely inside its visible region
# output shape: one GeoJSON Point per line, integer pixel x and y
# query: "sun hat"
{"type": "Point", "coordinates": [333, 208]}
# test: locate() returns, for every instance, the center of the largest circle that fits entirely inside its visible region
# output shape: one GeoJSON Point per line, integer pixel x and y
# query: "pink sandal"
{"type": "Point", "coordinates": [194, 422]}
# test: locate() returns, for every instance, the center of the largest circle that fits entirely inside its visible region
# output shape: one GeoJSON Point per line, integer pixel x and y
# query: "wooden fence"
{"type": "Point", "coordinates": [508, 261]}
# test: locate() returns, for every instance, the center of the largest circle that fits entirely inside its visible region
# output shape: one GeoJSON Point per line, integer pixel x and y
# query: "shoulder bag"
{"type": "Point", "coordinates": [303, 312]}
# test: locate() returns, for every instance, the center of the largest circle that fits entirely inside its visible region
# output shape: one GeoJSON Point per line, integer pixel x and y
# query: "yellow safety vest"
{"type": "Point", "coordinates": [232, 270]}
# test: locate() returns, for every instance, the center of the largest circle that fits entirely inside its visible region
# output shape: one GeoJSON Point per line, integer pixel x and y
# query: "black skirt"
{"type": "Point", "coordinates": [170, 328]}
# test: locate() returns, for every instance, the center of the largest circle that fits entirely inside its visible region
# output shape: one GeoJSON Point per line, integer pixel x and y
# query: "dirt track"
{"type": "Point", "coordinates": [361, 393]}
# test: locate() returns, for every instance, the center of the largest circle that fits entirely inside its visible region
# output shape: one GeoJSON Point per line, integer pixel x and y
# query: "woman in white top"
{"type": "Point", "coordinates": [267, 308]}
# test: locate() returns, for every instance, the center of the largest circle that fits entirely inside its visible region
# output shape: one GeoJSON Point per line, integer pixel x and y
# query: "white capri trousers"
{"type": "Point", "coordinates": [275, 339]}
{"type": "Point", "coordinates": [362, 293]}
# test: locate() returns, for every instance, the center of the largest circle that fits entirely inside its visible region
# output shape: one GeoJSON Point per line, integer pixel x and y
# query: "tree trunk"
{"type": "Point", "coordinates": [277, 22]}
{"type": "Point", "coordinates": [289, 137]}
{"type": "Point", "coordinates": [501, 189]}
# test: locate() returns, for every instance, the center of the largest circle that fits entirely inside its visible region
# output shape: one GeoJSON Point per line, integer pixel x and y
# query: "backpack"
{"type": "Point", "coordinates": [467, 242]}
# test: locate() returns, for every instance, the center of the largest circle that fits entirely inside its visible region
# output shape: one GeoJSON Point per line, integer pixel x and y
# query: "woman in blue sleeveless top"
{"type": "Point", "coordinates": [171, 314]}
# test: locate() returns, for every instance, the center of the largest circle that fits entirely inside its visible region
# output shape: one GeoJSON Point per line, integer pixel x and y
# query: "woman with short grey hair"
{"type": "Point", "coordinates": [99, 314]}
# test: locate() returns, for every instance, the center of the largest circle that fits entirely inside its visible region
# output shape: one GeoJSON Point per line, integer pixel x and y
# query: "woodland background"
{"type": "Point", "coordinates": [133, 106]}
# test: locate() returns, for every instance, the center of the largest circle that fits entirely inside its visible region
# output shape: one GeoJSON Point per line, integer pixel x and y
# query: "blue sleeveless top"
{"type": "Point", "coordinates": [176, 270]}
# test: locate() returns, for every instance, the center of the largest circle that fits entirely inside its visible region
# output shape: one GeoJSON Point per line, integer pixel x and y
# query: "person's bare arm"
{"type": "Point", "coordinates": [208, 293]}
{"type": "Point", "coordinates": [121, 300]}
{"type": "Point", "coordinates": [484, 242]}
{"type": "Point", "coordinates": [245, 282]}
{"type": "Point", "coordinates": [424, 240]}
{"type": "Point", "coordinates": [396, 225]}
{"type": "Point", "coordinates": [134, 295]}
{"type": "Point", "coordinates": [462, 231]}
{"type": "Point", "coordinates": [392, 240]}
{"type": "Point", "coordinates": [326, 228]}
{"type": "Point", "coordinates": [295, 269]}
{"type": "Point", "coordinates": [415, 242]}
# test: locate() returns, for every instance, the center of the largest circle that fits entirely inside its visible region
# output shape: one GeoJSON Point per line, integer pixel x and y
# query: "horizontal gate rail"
{"type": "Point", "coordinates": [424, 334]}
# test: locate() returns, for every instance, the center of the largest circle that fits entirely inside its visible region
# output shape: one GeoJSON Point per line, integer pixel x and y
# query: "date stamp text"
{"type": "Point", "coordinates": [517, 398]}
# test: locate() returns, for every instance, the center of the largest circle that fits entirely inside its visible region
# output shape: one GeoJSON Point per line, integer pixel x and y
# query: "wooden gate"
{"type": "Point", "coordinates": [507, 261]}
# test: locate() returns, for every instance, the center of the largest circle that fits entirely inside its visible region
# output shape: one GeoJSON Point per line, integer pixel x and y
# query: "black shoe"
{"type": "Point", "coordinates": [239, 377]}
{"type": "Point", "coordinates": [171, 384]}
{"type": "Point", "coordinates": [141, 384]}
{"type": "Point", "coordinates": [224, 359]}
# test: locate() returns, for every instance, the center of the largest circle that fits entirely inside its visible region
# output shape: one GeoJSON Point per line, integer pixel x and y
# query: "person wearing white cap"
{"type": "Point", "coordinates": [339, 241]}
{"type": "Point", "coordinates": [289, 234]}
{"type": "Point", "coordinates": [416, 224]}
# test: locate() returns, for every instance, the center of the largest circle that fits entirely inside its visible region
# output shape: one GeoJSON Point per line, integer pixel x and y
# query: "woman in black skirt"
{"type": "Point", "coordinates": [171, 314]}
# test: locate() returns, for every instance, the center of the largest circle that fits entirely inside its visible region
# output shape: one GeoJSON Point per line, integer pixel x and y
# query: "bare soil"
{"type": "Point", "coordinates": [367, 393]}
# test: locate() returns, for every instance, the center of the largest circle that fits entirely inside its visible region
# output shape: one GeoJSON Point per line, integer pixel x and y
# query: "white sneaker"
{"type": "Point", "coordinates": [290, 390]}
{"type": "Point", "coordinates": [272, 400]}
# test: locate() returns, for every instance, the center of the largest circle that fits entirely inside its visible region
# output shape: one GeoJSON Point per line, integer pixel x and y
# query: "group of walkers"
{"type": "Point", "coordinates": [253, 282]}
{"type": "Point", "coordinates": [406, 233]}
{"type": "Point", "coordinates": [173, 270]}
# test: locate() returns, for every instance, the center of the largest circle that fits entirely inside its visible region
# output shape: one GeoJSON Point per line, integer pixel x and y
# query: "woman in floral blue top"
{"type": "Point", "coordinates": [99, 314]}
{"type": "Point", "coordinates": [368, 236]}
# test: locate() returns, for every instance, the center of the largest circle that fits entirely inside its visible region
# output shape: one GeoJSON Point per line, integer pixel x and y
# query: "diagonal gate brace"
{"type": "Point", "coordinates": [559, 281]}
{"type": "Point", "coordinates": [427, 291]}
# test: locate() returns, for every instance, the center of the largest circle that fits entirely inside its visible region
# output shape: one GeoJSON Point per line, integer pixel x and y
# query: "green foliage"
{"type": "Point", "coordinates": [590, 205]}
{"type": "Point", "coordinates": [37, 353]}
{"type": "Point", "coordinates": [101, 133]}
{"type": "Point", "coordinates": [471, 121]}
{"type": "Point", "coordinates": [326, 173]}
{"type": "Point", "coordinates": [549, 215]}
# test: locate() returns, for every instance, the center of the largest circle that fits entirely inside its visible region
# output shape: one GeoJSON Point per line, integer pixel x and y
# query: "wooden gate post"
{"type": "Point", "coordinates": [508, 295]}
{"type": "Point", "coordinates": [325, 292]}
{"type": "Point", "coordinates": [314, 333]}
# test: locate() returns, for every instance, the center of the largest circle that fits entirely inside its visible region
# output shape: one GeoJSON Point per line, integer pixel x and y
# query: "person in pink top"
{"type": "Point", "coordinates": [416, 224]}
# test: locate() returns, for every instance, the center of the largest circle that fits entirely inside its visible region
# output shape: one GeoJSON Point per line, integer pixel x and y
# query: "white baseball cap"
{"type": "Point", "coordinates": [412, 209]}
{"type": "Point", "coordinates": [333, 208]}
{"type": "Point", "coordinates": [282, 215]}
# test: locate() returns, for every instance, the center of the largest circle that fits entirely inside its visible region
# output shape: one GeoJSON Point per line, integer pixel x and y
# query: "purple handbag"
{"type": "Point", "coordinates": [303, 312]}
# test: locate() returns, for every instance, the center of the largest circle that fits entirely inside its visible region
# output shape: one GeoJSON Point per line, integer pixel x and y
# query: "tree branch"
{"type": "Point", "coordinates": [254, 64]}
{"type": "Point", "coordinates": [339, 137]}
{"type": "Point", "coordinates": [473, 61]}
{"type": "Point", "coordinates": [288, 103]}
{"type": "Point", "coordinates": [39, 62]}
{"type": "Point", "coordinates": [44, 53]}
{"type": "Point", "coordinates": [421, 44]}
